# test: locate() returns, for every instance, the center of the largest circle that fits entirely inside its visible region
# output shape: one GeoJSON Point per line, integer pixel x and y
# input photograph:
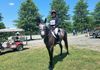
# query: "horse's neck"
{"type": "Point", "coordinates": [47, 33]}
{"type": "Point", "coordinates": [49, 37]}
{"type": "Point", "coordinates": [46, 38]}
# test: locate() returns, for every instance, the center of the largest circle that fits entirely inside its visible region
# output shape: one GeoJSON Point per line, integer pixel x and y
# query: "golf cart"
{"type": "Point", "coordinates": [13, 42]}
{"type": "Point", "coordinates": [95, 33]}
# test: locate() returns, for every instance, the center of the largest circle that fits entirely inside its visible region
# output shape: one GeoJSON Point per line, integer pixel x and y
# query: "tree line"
{"type": "Point", "coordinates": [81, 20]}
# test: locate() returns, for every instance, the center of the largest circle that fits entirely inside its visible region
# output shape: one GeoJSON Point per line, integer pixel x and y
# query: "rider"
{"type": "Point", "coordinates": [17, 36]}
{"type": "Point", "coordinates": [54, 24]}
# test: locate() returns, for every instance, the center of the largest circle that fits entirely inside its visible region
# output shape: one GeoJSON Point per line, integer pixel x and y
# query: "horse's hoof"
{"type": "Point", "coordinates": [60, 54]}
{"type": "Point", "coordinates": [67, 53]}
{"type": "Point", "coordinates": [50, 67]}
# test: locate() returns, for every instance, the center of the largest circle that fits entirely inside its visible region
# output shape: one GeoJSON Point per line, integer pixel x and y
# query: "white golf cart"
{"type": "Point", "coordinates": [13, 42]}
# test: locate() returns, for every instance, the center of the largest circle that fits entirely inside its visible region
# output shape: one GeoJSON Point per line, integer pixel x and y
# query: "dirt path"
{"type": "Point", "coordinates": [80, 41]}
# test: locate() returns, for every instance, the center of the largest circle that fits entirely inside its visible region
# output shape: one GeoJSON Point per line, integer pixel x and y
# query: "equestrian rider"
{"type": "Point", "coordinates": [54, 24]}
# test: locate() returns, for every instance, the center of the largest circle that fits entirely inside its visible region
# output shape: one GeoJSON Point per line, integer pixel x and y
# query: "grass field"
{"type": "Point", "coordinates": [37, 59]}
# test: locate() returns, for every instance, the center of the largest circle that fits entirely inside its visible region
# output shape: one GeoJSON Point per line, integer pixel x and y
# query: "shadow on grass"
{"type": "Point", "coordinates": [11, 51]}
{"type": "Point", "coordinates": [58, 58]}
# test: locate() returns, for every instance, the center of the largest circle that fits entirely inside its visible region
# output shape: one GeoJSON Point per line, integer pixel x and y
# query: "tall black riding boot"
{"type": "Point", "coordinates": [58, 39]}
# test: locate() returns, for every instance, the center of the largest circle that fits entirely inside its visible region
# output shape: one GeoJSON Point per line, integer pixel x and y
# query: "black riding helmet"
{"type": "Point", "coordinates": [53, 11]}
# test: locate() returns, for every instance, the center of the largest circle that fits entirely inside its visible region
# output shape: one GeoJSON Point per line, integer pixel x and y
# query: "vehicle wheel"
{"type": "Point", "coordinates": [94, 36]}
{"type": "Point", "coordinates": [20, 48]}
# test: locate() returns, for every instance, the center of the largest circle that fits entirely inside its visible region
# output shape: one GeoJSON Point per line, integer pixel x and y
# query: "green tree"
{"type": "Point", "coordinates": [91, 22]}
{"type": "Point", "coordinates": [96, 14]}
{"type": "Point", "coordinates": [1, 17]}
{"type": "Point", "coordinates": [62, 12]}
{"type": "Point", "coordinates": [1, 23]}
{"type": "Point", "coordinates": [80, 17]}
{"type": "Point", "coordinates": [27, 15]}
{"type": "Point", "coordinates": [2, 35]}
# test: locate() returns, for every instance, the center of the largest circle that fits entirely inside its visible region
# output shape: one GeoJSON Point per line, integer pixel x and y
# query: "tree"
{"type": "Point", "coordinates": [1, 23]}
{"type": "Point", "coordinates": [97, 14]}
{"type": "Point", "coordinates": [62, 12]}
{"type": "Point", "coordinates": [1, 17]}
{"type": "Point", "coordinates": [80, 17]}
{"type": "Point", "coordinates": [2, 35]}
{"type": "Point", "coordinates": [91, 22]}
{"type": "Point", "coordinates": [27, 15]}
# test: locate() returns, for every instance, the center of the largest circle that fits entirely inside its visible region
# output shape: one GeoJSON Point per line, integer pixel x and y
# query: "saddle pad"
{"type": "Point", "coordinates": [55, 32]}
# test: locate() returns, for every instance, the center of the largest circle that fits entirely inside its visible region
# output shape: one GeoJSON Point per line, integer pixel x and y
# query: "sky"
{"type": "Point", "coordinates": [9, 8]}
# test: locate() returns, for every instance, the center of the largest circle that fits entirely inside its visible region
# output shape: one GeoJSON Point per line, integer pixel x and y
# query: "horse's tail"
{"type": "Point", "coordinates": [66, 41]}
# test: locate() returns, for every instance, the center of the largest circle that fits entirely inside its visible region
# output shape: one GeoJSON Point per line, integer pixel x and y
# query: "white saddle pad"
{"type": "Point", "coordinates": [55, 32]}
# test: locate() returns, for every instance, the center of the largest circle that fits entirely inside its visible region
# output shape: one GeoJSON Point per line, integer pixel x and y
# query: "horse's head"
{"type": "Point", "coordinates": [43, 28]}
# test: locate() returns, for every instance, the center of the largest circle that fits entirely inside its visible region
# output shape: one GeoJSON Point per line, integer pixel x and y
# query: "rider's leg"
{"type": "Point", "coordinates": [58, 36]}
{"type": "Point", "coordinates": [56, 30]}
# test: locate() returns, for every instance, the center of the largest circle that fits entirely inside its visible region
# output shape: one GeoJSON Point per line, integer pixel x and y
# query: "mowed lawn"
{"type": "Point", "coordinates": [37, 59]}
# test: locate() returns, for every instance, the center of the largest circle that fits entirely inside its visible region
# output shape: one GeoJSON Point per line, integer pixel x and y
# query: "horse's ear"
{"type": "Point", "coordinates": [45, 20]}
{"type": "Point", "coordinates": [38, 20]}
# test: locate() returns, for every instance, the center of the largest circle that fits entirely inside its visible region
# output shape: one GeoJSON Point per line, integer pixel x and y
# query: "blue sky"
{"type": "Point", "coordinates": [9, 8]}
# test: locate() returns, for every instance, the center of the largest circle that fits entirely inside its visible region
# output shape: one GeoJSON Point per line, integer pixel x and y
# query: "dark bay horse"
{"type": "Point", "coordinates": [50, 40]}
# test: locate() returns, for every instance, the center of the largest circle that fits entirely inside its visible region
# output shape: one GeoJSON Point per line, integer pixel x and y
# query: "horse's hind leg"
{"type": "Point", "coordinates": [60, 48]}
{"type": "Point", "coordinates": [66, 42]}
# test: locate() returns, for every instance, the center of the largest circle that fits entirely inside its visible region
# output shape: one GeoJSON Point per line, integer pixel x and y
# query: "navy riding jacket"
{"type": "Point", "coordinates": [56, 21]}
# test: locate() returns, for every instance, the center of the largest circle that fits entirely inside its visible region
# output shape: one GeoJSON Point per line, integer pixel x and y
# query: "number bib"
{"type": "Point", "coordinates": [52, 22]}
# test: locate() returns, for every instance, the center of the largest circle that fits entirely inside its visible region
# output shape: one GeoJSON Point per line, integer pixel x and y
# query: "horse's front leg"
{"type": "Point", "coordinates": [50, 51]}
{"type": "Point", "coordinates": [60, 48]}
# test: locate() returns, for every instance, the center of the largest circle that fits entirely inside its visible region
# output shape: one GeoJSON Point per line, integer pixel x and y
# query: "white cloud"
{"type": "Point", "coordinates": [11, 4]}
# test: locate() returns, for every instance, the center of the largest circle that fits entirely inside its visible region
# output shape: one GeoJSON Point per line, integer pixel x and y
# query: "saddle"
{"type": "Point", "coordinates": [55, 32]}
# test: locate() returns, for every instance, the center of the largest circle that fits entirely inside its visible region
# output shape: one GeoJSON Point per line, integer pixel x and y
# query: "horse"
{"type": "Point", "coordinates": [50, 41]}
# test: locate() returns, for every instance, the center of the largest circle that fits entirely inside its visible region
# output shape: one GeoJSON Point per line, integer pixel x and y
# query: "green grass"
{"type": "Point", "coordinates": [37, 59]}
